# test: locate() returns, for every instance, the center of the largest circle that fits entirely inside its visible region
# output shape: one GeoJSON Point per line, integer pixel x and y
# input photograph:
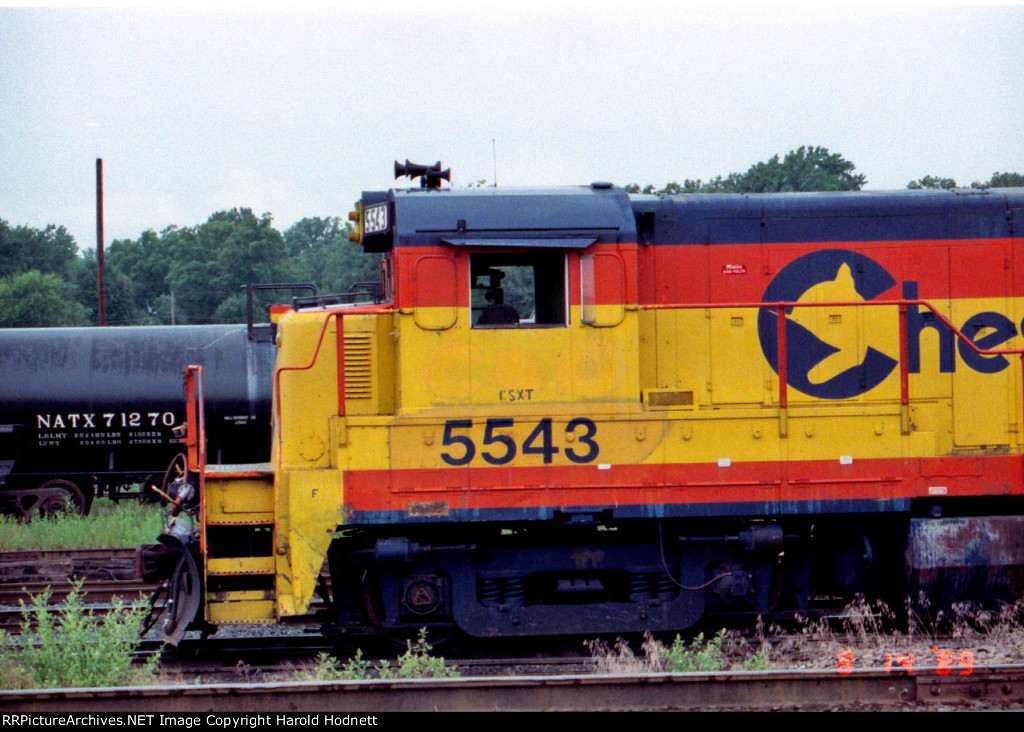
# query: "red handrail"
{"type": "Point", "coordinates": [339, 355]}
{"type": "Point", "coordinates": [195, 418]}
{"type": "Point", "coordinates": [195, 439]}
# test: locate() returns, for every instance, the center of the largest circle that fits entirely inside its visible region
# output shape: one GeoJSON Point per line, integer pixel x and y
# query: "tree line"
{"type": "Point", "coordinates": [180, 275]}
{"type": "Point", "coordinates": [808, 169]}
{"type": "Point", "coordinates": [195, 274]}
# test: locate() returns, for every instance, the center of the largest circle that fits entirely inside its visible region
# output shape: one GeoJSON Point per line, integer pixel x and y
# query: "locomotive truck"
{"type": "Point", "coordinates": [575, 410]}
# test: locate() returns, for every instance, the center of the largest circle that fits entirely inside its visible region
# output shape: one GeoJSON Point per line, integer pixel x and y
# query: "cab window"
{"type": "Point", "coordinates": [518, 290]}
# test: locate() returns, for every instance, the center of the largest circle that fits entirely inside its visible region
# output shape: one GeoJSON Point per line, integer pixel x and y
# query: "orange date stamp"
{"type": "Point", "coordinates": [945, 662]}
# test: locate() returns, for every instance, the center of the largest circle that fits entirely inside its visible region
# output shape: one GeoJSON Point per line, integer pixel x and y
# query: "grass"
{"type": "Point", "coordinates": [73, 647]}
{"type": "Point", "coordinates": [109, 524]}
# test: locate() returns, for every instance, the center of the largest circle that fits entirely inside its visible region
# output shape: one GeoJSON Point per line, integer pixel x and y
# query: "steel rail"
{"type": "Point", "coordinates": [992, 687]}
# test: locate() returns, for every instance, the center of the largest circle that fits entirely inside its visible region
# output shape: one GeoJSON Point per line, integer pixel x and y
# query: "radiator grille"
{"type": "Point", "coordinates": [359, 366]}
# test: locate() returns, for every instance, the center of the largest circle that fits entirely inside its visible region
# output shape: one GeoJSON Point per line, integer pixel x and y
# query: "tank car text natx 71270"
{"type": "Point", "coordinates": [574, 410]}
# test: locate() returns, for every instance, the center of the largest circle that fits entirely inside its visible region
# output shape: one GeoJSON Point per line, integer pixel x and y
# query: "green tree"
{"type": "Point", "coordinates": [732, 183]}
{"type": "Point", "coordinates": [245, 249]}
{"type": "Point", "coordinates": [23, 248]}
{"type": "Point", "coordinates": [194, 274]}
{"type": "Point", "coordinates": [998, 180]}
{"type": "Point", "coordinates": [1001, 180]}
{"type": "Point", "coordinates": [931, 181]}
{"type": "Point", "coordinates": [803, 169]}
{"type": "Point", "coordinates": [687, 186]}
{"type": "Point", "coordinates": [119, 293]}
{"type": "Point", "coordinates": [145, 263]}
{"type": "Point", "coordinates": [36, 300]}
{"type": "Point", "coordinates": [322, 254]}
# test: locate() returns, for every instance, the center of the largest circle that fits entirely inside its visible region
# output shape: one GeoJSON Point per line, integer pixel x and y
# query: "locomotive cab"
{"type": "Point", "coordinates": [508, 311]}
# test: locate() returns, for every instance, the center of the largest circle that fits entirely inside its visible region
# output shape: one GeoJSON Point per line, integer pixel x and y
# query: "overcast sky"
{"type": "Point", "coordinates": [295, 112]}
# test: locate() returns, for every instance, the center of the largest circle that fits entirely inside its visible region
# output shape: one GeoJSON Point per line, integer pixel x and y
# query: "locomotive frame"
{"type": "Point", "coordinates": [714, 406]}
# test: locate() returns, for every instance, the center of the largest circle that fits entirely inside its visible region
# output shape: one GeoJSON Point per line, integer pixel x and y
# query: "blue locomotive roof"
{"type": "Point", "coordinates": [575, 217]}
{"type": "Point", "coordinates": [855, 216]}
{"type": "Point", "coordinates": [556, 217]}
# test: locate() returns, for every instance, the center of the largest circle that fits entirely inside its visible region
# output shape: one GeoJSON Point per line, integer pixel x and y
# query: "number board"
{"type": "Point", "coordinates": [375, 219]}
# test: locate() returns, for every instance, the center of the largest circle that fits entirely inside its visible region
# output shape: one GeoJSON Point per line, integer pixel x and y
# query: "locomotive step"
{"type": "Point", "coordinates": [239, 498]}
{"type": "Point", "coordinates": [241, 611]}
{"type": "Point", "coordinates": [240, 565]}
{"type": "Point", "coordinates": [239, 470]}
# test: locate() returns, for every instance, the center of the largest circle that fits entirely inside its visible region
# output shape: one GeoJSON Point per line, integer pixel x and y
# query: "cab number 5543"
{"type": "Point", "coordinates": [497, 448]}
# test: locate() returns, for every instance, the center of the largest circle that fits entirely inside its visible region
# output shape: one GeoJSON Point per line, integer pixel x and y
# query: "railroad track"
{"type": "Point", "coordinates": [989, 688]}
{"type": "Point", "coordinates": [41, 564]}
{"type": "Point", "coordinates": [285, 663]}
{"type": "Point", "coordinates": [105, 574]}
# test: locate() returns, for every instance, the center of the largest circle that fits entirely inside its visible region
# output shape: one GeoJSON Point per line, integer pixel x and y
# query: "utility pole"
{"type": "Point", "coordinates": [101, 297]}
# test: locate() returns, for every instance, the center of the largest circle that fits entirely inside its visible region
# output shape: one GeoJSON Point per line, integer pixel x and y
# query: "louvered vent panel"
{"type": "Point", "coordinates": [359, 366]}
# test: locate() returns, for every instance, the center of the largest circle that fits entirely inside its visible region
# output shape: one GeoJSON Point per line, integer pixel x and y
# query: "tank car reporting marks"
{"type": "Point", "coordinates": [85, 420]}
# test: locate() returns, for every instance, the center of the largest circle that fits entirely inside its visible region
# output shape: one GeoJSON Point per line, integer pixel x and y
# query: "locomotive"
{"type": "Point", "coordinates": [93, 411]}
{"type": "Point", "coordinates": [580, 411]}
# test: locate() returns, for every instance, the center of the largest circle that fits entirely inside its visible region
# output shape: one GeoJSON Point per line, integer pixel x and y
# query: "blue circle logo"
{"type": "Point", "coordinates": [815, 367]}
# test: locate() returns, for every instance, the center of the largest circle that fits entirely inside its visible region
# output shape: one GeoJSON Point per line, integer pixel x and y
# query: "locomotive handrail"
{"type": "Point", "coordinates": [780, 308]}
{"type": "Point", "coordinates": [195, 416]}
{"type": "Point", "coordinates": [250, 318]}
{"type": "Point", "coordinates": [195, 438]}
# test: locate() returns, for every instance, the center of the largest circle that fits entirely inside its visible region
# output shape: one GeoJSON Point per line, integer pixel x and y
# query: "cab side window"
{"type": "Point", "coordinates": [518, 290]}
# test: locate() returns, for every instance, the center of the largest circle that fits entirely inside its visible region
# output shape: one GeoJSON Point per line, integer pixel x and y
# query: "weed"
{"type": "Point", "coordinates": [865, 620]}
{"type": "Point", "coordinates": [73, 647]}
{"type": "Point", "coordinates": [621, 659]}
{"type": "Point", "coordinates": [325, 668]}
{"type": "Point", "coordinates": [357, 667]}
{"type": "Point", "coordinates": [759, 661]}
{"type": "Point", "coordinates": [415, 663]}
{"type": "Point", "coordinates": [247, 674]}
{"type": "Point", "coordinates": [680, 657]}
{"type": "Point", "coordinates": [697, 655]}
{"type": "Point", "coordinates": [13, 675]}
